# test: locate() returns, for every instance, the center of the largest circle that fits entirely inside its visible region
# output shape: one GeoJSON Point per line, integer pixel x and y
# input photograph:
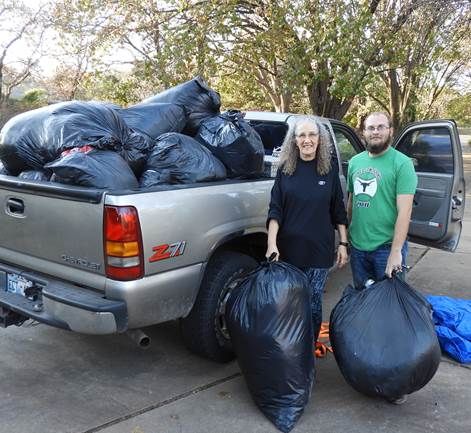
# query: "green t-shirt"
{"type": "Point", "coordinates": [374, 183]}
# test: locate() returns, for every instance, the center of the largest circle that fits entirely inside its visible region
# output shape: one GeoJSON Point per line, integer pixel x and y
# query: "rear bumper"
{"type": "Point", "coordinates": [64, 305]}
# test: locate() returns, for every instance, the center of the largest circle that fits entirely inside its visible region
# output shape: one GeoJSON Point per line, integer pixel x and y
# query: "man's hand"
{"type": "Point", "coordinates": [342, 255]}
{"type": "Point", "coordinates": [270, 250]}
{"type": "Point", "coordinates": [394, 263]}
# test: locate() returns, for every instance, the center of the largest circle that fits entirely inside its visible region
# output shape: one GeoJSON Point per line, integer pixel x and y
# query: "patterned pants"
{"type": "Point", "coordinates": [317, 279]}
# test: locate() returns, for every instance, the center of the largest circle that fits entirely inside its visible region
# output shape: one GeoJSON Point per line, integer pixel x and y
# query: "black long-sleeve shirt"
{"type": "Point", "coordinates": [307, 207]}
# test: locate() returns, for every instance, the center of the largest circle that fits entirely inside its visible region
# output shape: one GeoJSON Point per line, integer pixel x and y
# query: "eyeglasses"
{"type": "Point", "coordinates": [310, 135]}
{"type": "Point", "coordinates": [379, 128]}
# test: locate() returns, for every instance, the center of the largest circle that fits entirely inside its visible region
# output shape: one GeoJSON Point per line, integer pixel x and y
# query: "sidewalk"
{"type": "Point", "coordinates": [441, 407]}
{"type": "Point", "coordinates": [225, 406]}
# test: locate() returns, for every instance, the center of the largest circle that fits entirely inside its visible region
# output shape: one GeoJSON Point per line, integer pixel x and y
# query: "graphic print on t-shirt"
{"type": "Point", "coordinates": [365, 185]}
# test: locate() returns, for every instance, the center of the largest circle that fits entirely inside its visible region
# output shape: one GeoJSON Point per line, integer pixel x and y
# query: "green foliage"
{"type": "Point", "coordinates": [121, 89]}
{"type": "Point", "coordinates": [331, 57]}
{"type": "Point", "coordinates": [459, 108]}
{"type": "Point", "coordinates": [34, 98]}
{"type": "Point", "coordinates": [242, 93]}
{"type": "Point", "coordinates": [422, 59]}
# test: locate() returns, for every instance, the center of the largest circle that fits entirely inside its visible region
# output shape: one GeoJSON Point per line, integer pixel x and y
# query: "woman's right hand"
{"type": "Point", "coordinates": [270, 250]}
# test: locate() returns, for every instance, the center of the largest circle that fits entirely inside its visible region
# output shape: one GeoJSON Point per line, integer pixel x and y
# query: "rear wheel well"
{"type": "Point", "coordinates": [253, 245]}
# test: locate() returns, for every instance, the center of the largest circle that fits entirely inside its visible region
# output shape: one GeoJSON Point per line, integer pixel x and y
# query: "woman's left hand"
{"type": "Point", "coordinates": [342, 256]}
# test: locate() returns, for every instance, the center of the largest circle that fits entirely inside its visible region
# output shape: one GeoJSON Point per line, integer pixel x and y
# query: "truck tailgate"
{"type": "Point", "coordinates": [53, 229]}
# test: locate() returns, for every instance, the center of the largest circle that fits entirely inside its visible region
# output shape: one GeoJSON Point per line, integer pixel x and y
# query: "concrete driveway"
{"type": "Point", "coordinates": [53, 381]}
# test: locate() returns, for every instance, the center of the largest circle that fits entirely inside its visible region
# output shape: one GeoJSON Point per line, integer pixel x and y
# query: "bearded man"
{"type": "Point", "coordinates": [381, 184]}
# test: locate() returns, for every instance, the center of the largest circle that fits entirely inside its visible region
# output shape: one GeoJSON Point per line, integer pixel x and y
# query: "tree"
{"type": "Point", "coordinates": [168, 40]}
{"type": "Point", "coordinates": [422, 60]}
{"type": "Point", "coordinates": [303, 55]}
{"type": "Point", "coordinates": [19, 24]}
{"type": "Point", "coordinates": [33, 98]}
{"type": "Point", "coordinates": [326, 48]}
{"type": "Point", "coordinates": [84, 38]}
{"type": "Point", "coordinates": [459, 108]}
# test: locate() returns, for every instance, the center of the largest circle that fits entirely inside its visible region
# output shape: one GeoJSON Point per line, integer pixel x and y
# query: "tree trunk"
{"type": "Point", "coordinates": [325, 105]}
{"type": "Point", "coordinates": [394, 99]}
{"type": "Point", "coordinates": [281, 101]}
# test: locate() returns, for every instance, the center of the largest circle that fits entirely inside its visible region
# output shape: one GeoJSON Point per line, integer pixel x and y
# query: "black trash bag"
{"type": "Point", "coordinates": [24, 143]}
{"type": "Point", "coordinates": [384, 340]}
{"type": "Point", "coordinates": [99, 125]}
{"type": "Point", "coordinates": [135, 151]}
{"type": "Point", "coordinates": [230, 137]}
{"type": "Point", "coordinates": [95, 168]}
{"type": "Point", "coordinates": [198, 99]}
{"type": "Point", "coordinates": [177, 158]}
{"type": "Point", "coordinates": [35, 175]}
{"type": "Point", "coordinates": [154, 119]}
{"type": "Point", "coordinates": [152, 178]}
{"type": "Point", "coordinates": [268, 316]}
{"type": "Point", "coordinates": [32, 139]}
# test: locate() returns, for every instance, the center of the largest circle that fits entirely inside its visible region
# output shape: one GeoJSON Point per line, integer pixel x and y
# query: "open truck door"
{"type": "Point", "coordinates": [435, 149]}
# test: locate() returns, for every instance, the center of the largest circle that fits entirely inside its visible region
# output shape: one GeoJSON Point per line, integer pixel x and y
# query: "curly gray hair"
{"type": "Point", "coordinates": [290, 153]}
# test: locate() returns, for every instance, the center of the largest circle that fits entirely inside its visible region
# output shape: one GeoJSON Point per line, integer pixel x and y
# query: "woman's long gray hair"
{"type": "Point", "coordinates": [290, 152]}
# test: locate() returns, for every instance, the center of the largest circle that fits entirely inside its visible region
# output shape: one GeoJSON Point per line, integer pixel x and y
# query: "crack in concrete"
{"type": "Point", "coordinates": [422, 255]}
{"type": "Point", "coordinates": [161, 404]}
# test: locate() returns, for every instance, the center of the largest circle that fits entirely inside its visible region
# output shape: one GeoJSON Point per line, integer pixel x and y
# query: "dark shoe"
{"type": "Point", "coordinates": [398, 400]}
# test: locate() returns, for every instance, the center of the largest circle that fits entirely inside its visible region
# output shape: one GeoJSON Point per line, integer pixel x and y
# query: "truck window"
{"type": "Point", "coordinates": [271, 133]}
{"type": "Point", "coordinates": [431, 150]}
{"type": "Point", "coordinates": [345, 147]}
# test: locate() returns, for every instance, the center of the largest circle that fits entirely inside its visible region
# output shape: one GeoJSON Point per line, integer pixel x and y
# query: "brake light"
{"type": "Point", "coordinates": [123, 243]}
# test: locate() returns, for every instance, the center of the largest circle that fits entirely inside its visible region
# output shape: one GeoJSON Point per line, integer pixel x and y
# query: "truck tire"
{"type": "Point", "coordinates": [203, 329]}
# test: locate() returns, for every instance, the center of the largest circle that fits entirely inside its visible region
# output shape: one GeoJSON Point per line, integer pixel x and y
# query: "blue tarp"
{"type": "Point", "coordinates": [452, 318]}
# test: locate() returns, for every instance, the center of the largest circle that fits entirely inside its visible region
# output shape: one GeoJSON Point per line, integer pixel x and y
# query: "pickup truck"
{"type": "Point", "coordinates": [102, 262]}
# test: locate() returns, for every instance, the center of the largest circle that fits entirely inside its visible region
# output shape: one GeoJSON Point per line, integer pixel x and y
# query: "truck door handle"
{"type": "Point", "coordinates": [15, 206]}
{"type": "Point", "coordinates": [455, 202]}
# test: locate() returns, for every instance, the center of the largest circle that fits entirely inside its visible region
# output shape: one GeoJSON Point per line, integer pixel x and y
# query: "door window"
{"type": "Point", "coordinates": [345, 147]}
{"type": "Point", "coordinates": [430, 149]}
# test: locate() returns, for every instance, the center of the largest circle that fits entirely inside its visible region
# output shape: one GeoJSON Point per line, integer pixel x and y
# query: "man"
{"type": "Point", "coordinates": [381, 186]}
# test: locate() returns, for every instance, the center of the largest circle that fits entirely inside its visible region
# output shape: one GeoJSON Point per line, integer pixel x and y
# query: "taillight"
{"type": "Point", "coordinates": [123, 243]}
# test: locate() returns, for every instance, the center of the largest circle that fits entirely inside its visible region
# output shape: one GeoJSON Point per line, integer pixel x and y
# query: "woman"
{"type": "Point", "coordinates": [305, 208]}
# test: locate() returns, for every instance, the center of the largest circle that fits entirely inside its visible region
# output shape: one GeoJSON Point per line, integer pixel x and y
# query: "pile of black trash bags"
{"type": "Point", "coordinates": [177, 136]}
{"type": "Point", "coordinates": [383, 339]}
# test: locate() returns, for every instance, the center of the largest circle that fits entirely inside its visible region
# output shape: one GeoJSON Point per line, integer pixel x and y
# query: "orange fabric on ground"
{"type": "Point", "coordinates": [323, 343]}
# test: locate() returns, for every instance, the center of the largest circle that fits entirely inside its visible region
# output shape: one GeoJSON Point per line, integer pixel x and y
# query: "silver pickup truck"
{"type": "Point", "coordinates": [102, 262]}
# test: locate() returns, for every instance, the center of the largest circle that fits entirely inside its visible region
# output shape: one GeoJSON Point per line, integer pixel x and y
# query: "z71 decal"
{"type": "Point", "coordinates": [167, 251]}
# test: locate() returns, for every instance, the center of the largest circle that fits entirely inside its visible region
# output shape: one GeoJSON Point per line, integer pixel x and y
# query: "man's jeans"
{"type": "Point", "coordinates": [317, 279]}
{"type": "Point", "coordinates": [372, 264]}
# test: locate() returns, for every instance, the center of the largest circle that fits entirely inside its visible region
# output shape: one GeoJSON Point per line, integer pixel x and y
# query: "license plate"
{"type": "Point", "coordinates": [17, 284]}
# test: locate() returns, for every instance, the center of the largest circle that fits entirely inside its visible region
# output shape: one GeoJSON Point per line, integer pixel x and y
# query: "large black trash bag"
{"type": "Point", "coordinates": [135, 151]}
{"type": "Point", "coordinates": [42, 175]}
{"type": "Point", "coordinates": [177, 158]}
{"type": "Point", "coordinates": [99, 125]}
{"type": "Point", "coordinates": [268, 316]}
{"type": "Point", "coordinates": [230, 137]}
{"type": "Point", "coordinates": [384, 339]}
{"type": "Point", "coordinates": [24, 143]}
{"type": "Point", "coordinates": [95, 168]}
{"type": "Point", "coordinates": [198, 99]}
{"type": "Point", "coordinates": [154, 119]}
{"type": "Point", "coordinates": [32, 139]}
